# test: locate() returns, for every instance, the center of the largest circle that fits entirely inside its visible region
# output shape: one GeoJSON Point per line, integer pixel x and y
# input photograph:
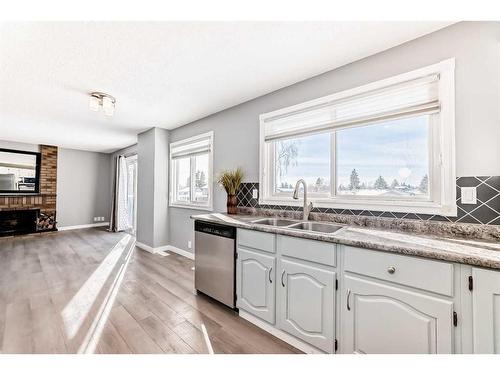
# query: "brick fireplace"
{"type": "Point", "coordinates": [43, 203]}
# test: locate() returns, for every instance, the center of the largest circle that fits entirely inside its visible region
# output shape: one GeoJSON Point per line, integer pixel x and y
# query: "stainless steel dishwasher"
{"type": "Point", "coordinates": [215, 261]}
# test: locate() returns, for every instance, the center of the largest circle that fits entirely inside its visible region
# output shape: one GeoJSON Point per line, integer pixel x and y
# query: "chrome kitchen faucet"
{"type": "Point", "coordinates": [307, 207]}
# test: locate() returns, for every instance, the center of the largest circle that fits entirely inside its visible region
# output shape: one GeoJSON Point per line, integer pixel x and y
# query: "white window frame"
{"type": "Point", "coordinates": [205, 206]}
{"type": "Point", "coordinates": [442, 175]}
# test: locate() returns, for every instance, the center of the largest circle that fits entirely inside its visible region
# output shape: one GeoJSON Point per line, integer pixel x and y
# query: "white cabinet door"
{"type": "Point", "coordinates": [307, 303]}
{"type": "Point", "coordinates": [380, 318]}
{"type": "Point", "coordinates": [255, 279]}
{"type": "Point", "coordinates": [486, 311]}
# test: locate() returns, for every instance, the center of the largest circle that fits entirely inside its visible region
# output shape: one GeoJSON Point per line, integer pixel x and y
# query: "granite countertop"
{"type": "Point", "coordinates": [483, 253]}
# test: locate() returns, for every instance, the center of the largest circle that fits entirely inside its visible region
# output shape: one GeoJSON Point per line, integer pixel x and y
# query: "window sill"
{"type": "Point", "coordinates": [429, 208]}
{"type": "Point", "coordinates": [191, 207]}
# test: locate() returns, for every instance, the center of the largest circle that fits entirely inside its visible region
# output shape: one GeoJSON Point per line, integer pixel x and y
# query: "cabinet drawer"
{"type": "Point", "coordinates": [430, 275]}
{"type": "Point", "coordinates": [256, 240]}
{"type": "Point", "coordinates": [311, 250]}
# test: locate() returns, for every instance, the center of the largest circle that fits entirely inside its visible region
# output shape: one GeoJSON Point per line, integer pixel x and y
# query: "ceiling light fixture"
{"type": "Point", "coordinates": [100, 99]}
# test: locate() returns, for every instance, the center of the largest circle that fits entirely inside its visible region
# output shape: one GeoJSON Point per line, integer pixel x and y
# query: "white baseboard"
{"type": "Point", "coordinates": [296, 343]}
{"type": "Point", "coordinates": [83, 226]}
{"type": "Point", "coordinates": [149, 249]}
{"type": "Point", "coordinates": [184, 253]}
{"type": "Point", "coordinates": [162, 249]}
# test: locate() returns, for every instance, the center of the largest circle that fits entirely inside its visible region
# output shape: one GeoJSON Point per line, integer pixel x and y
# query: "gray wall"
{"type": "Point", "coordinates": [83, 187]}
{"type": "Point", "coordinates": [476, 47]}
{"type": "Point", "coordinates": [152, 188]}
{"type": "Point", "coordinates": [145, 187]}
{"type": "Point", "coordinates": [161, 219]}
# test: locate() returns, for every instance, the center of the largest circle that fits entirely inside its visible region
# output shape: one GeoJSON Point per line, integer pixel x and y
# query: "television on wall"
{"type": "Point", "coordinates": [19, 172]}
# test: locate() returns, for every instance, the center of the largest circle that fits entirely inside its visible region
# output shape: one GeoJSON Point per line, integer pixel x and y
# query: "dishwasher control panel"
{"type": "Point", "coordinates": [215, 229]}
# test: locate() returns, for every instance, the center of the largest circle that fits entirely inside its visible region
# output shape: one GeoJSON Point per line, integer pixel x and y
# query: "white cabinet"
{"type": "Point", "coordinates": [255, 280]}
{"type": "Point", "coordinates": [425, 274]}
{"type": "Point", "coordinates": [306, 297]}
{"type": "Point", "coordinates": [381, 318]}
{"type": "Point", "coordinates": [387, 303]}
{"type": "Point", "coordinates": [486, 311]}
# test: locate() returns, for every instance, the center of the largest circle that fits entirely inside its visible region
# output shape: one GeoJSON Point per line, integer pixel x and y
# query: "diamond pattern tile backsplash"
{"type": "Point", "coordinates": [486, 211]}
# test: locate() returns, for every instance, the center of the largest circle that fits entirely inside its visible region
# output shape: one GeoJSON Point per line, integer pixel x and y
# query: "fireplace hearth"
{"type": "Point", "coordinates": [18, 222]}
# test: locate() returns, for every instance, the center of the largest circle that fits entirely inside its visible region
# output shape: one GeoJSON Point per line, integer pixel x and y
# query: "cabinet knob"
{"type": "Point", "coordinates": [391, 269]}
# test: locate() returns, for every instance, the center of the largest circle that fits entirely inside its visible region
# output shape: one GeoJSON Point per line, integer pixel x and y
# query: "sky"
{"type": "Point", "coordinates": [396, 150]}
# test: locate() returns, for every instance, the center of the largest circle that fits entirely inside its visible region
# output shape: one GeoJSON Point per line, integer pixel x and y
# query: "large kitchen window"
{"type": "Point", "coordinates": [385, 146]}
{"type": "Point", "coordinates": [191, 172]}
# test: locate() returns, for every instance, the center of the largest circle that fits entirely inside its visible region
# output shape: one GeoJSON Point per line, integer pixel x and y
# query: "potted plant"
{"type": "Point", "coordinates": [231, 181]}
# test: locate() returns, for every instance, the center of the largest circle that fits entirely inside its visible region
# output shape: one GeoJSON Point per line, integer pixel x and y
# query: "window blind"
{"type": "Point", "coordinates": [191, 148]}
{"type": "Point", "coordinates": [419, 96]}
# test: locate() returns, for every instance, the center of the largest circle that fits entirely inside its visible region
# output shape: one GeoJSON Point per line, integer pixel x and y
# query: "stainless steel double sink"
{"type": "Point", "coordinates": [303, 225]}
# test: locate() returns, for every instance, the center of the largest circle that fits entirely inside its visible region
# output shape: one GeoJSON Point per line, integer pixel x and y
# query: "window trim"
{"type": "Point", "coordinates": [173, 172]}
{"type": "Point", "coordinates": [441, 159]}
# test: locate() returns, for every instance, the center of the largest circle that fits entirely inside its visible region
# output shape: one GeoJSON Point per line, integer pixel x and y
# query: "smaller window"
{"type": "Point", "coordinates": [191, 172]}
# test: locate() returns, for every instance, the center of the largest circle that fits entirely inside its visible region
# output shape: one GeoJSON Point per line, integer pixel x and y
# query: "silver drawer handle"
{"type": "Point", "coordinates": [391, 269]}
{"type": "Point", "coordinates": [270, 270]}
{"type": "Point", "coordinates": [282, 282]}
{"type": "Point", "coordinates": [348, 297]}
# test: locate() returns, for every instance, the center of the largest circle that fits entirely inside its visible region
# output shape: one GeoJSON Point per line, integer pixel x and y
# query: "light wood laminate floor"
{"type": "Point", "coordinates": [90, 291]}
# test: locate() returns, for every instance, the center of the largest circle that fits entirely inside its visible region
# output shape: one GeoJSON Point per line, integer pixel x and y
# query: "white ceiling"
{"type": "Point", "coordinates": [163, 74]}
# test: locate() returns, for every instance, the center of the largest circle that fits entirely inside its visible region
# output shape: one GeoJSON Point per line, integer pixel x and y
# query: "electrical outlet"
{"type": "Point", "coordinates": [95, 219]}
{"type": "Point", "coordinates": [468, 195]}
{"type": "Point", "coordinates": [189, 244]}
{"type": "Point", "coordinates": [102, 218]}
{"type": "Point", "coordinates": [255, 193]}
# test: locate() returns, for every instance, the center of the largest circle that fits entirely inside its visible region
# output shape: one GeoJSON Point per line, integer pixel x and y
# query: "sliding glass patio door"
{"type": "Point", "coordinates": [131, 162]}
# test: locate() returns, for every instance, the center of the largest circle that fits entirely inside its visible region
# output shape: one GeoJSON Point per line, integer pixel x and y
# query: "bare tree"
{"type": "Point", "coordinates": [286, 155]}
{"type": "Point", "coordinates": [200, 179]}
